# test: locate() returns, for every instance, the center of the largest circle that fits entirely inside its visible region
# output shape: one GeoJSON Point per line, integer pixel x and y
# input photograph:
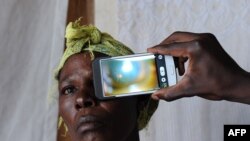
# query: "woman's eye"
{"type": "Point", "coordinates": [69, 90]}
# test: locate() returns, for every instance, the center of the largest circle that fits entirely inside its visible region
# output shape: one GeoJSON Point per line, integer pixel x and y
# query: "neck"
{"type": "Point", "coordinates": [134, 136]}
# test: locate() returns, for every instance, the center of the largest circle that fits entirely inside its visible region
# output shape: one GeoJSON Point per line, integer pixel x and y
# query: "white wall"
{"type": "Point", "coordinates": [31, 42]}
{"type": "Point", "coordinates": [106, 16]}
{"type": "Point", "coordinates": [144, 23]}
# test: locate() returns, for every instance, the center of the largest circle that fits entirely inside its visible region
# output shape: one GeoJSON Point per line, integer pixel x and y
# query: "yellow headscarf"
{"type": "Point", "coordinates": [80, 38]}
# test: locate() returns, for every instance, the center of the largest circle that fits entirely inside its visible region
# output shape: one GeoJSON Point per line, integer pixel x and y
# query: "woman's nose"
{"type": "Point", "coordinates": [85, 101]}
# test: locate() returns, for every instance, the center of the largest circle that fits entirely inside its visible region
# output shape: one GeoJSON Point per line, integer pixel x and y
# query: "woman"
{"type": "Point", "coordinates": [87, 118]}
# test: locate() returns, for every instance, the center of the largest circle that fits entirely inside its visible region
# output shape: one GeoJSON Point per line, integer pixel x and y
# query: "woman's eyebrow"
{"type": "Point", "coordinates": [69, 78]}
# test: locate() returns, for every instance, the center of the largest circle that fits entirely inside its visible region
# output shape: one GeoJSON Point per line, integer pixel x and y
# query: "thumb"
{"type": "Point", "coordinates": [171, 93]}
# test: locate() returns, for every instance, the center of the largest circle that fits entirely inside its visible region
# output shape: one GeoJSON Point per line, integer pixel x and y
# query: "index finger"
{"type": "Point", "coordinates": [181, 37]}
{"type": "Point", "coordinates": [182, 49]}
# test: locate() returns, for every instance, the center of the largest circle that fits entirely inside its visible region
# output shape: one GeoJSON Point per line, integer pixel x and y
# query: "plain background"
{"type": "Point", "coordinates": [31, 43]}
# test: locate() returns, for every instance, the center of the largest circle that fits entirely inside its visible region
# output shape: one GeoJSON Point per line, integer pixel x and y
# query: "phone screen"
{"type": "Point", "coordinates": [129, 75]}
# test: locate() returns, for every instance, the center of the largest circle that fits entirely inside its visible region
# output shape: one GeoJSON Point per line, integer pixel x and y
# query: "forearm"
{"type": "Point", "coordinates": [240, 89]}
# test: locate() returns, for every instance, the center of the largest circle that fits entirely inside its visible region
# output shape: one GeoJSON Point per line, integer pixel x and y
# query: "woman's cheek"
{"type": "Point", "coordinates": [66, 108]}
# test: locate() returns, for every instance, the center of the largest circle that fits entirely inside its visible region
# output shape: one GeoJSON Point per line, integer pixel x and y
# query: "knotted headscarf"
{"type": "Point", "coordinates": [80, 38]}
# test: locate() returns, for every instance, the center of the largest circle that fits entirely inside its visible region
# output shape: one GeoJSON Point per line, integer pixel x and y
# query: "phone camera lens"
{"type": "Point", "coordinates": [160, 57]}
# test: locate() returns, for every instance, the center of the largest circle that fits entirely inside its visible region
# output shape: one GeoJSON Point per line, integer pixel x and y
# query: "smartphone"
{"type": "Point", "coordinates": [131, 75]}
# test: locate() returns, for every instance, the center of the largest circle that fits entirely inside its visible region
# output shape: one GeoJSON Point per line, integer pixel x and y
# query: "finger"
{"type": "Point", "coordinates": [168, 94]}
{"type": "Point", "coordinates": [182, 89]}
{"type": "Point", "coordinates": [180, 36]}
{"type": "Point", "coordinates": [211, 97]}
{"type": "Point", "coordinates": [174, 49]}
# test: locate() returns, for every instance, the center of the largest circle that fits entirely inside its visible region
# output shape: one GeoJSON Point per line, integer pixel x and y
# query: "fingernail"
{"type": "Point", "coordinates": [155, 97]}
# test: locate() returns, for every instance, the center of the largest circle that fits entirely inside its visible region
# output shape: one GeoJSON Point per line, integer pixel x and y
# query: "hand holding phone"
{"type": "Point", "coordinates": [132, 75]}
{"type": "Point", "coordinates": [211, 73]}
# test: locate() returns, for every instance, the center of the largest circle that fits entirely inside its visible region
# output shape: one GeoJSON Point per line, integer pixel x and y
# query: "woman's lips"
{"type": "Point", "coordinates": [89, 123]}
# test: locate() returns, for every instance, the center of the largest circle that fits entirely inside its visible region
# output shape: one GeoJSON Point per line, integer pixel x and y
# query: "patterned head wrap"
{"type": "Point", "coordinates": [88, 38]}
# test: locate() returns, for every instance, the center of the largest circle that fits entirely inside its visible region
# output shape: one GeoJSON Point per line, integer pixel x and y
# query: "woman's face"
{"type": "Point", "coordinates": [86, 117]}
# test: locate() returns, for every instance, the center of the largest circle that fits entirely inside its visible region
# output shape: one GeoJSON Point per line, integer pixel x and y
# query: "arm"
{"type": "Point", "coordinates": [211, 73]}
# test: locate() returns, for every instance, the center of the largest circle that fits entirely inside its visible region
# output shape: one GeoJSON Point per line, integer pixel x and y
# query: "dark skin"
{"type": "Point", "coordinates": [211, 72]}
{"type": "Point", "coordinates": [87, 118]}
